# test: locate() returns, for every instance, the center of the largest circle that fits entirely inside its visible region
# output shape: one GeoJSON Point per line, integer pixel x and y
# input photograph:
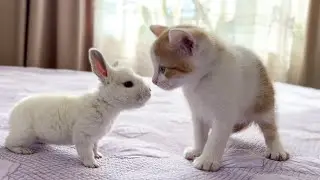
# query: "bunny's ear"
{"type": "Point", "coordinates": [98, 64]}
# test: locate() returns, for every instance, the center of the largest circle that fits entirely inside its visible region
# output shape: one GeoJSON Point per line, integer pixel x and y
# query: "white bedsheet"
{"type": "Point", "coordinates": [147, 143]}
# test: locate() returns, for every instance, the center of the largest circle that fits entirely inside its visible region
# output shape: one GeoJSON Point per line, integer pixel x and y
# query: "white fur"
{"type": "Point", "coordinates": [76, 120]}
{"type": "Point", "coordinates": [220, 93]}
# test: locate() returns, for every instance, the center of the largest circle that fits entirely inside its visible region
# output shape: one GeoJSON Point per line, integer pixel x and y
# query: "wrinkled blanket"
{"type": "Point", "coordinates": [147, 143]}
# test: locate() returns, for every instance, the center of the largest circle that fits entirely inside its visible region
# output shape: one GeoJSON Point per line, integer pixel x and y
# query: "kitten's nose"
{"type": "Point", "coordinates": [149, 89]}
{"type": "Point", "coordinates": [154, 80]}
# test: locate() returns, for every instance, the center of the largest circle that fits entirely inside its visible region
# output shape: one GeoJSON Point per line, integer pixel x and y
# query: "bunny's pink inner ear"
{"type": "Point", "coordinates": [182, 40]}
{"type": "Point", "coordinates": [97, 62]}
{"type": "Point", "coordinates": [101, 69]}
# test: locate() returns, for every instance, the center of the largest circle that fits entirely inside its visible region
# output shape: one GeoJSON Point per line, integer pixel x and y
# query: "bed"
{"type": "Point", "coordinates": [147, 143]}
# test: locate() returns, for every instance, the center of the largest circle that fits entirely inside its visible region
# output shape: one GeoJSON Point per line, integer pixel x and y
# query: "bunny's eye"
{"type": "Point", "coordinates": [128, 84]}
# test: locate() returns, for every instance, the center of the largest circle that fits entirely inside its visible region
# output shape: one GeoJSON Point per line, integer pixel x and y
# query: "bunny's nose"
{"type": "Point", "coordinates": [149, 89]}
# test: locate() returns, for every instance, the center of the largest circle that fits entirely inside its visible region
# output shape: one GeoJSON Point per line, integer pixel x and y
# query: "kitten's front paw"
{"type": "Point", "coordinates": [206, 164]}
{"type": "Point", "coordinates": [277, 155]}
{"type": "Point", "coordinates": [98, 155]}
{"type": "Point", "coordinates": [90, 164]}
{"type": "Point", "coordinates": [190, 153]}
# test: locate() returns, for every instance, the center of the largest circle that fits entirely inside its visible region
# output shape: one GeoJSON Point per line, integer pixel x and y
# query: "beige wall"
{"type": "Point", "coordinates": [12, 15]}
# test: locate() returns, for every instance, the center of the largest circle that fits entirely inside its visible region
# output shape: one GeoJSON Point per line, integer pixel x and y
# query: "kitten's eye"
{"type": "Point", "coordinates": [128, 84]}
{"type": "Point", "coordinates": [162, 69]}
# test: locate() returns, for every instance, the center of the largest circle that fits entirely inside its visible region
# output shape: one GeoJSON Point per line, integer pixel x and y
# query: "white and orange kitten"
{"type": "Point", "coordinates": [227, 88]}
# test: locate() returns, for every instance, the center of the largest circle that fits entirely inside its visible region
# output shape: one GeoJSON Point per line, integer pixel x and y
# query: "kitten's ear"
{"type": "Point", "coordinates": [98, 64]}
{"type": "Point", "coordinates": [158, 29]}
{"type": "Point", "coordinates": [183, 40]}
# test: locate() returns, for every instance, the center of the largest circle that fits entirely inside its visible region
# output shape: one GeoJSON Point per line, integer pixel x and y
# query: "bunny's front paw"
{"type": "Point", "coordinates": [21, 150]}
{"type": "Point", "coordinates": [98, 155]}
{"type": "Point", "coordinates": [90, 163]}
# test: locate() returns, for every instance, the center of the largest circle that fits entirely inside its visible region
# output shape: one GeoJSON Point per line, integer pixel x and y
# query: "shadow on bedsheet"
{"type": "Point", "coordinates": [250, 155]}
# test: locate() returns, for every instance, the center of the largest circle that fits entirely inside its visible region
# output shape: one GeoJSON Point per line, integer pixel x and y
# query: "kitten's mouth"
{"type": "Point", "coordinates": [165, 86]}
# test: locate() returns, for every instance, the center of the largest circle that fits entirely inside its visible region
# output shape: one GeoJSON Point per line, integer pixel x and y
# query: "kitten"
{"type": "Point", "coordinates": [227, 88]}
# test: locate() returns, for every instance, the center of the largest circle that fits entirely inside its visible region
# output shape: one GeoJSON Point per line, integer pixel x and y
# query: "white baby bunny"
{"type": "Point", "coordinates": [77, 120]}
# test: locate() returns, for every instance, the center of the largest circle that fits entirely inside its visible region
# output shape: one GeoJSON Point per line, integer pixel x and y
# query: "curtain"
{"type": "Point", "coordinates": [12, 20]}
{"type": "Point", "coordinates": [274, 29]}
{"type": "Point", "coordinates": [47, 33]}
{"type": "Point", "coordinates": [312, 56]}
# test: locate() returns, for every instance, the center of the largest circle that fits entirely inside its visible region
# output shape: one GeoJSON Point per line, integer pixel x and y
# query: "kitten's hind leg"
{"type": "Point", "coordinates": [20, 141]}
{"type": "Point", "coordinates": [267, 123]}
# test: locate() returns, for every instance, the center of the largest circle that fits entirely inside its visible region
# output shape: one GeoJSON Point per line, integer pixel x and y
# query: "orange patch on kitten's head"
{"type": "Point", "coordinates": [173, 51]}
